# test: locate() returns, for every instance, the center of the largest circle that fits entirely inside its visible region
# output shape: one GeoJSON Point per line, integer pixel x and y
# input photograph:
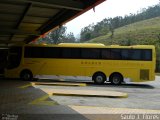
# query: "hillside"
{"type": "Point", "coordinates": [143, 32]}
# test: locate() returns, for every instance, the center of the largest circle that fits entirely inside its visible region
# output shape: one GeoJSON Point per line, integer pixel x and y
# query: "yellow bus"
{"type": "Point", "coordinates": [97, 62]}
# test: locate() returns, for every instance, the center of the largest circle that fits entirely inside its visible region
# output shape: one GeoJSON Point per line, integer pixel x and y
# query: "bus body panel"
{"type": "Point", "coordinates": [134, 71]}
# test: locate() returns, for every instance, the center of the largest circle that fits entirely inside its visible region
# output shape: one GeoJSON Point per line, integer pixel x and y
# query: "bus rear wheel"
{"type": "Point", "coordinates": [26, 75]}
{"type": "Point", "coordinates": [116, 78]}
{"type": "Point", "coordinates": [99, 78]}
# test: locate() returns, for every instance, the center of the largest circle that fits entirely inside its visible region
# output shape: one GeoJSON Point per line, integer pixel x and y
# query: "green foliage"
{"type": "Point", "coordinates": [108, 25]}
{"type": "Point", "coordinates": [57, 36]}
{"type": "Point", "coordinates": [144, 32]}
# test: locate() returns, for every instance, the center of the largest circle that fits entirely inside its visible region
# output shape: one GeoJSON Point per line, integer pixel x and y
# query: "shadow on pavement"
{"type": "Point", "coordinates": [124, 85]}
{"type": "Point", "coordinates": [89, 83]}
{"type": "Point", "coordinates": [15, 102]}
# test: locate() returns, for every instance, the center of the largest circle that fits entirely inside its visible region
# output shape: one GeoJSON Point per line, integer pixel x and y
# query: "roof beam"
{"type": "Point", "coordinates": [23, 15]}
{"type": "Point", "coordinates": [58, 21]}
{"type": "Point", "coordinates": [21, 18]}
{"type": "Point", "coordinates": [67, 4]}
{"type": "Point", "coordinates": [58, 15]}
{"type": "Point", "coordinates": [4, 32]}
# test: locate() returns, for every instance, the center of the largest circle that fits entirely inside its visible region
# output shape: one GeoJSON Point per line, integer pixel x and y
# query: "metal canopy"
{"type": "Point", "coordinates": [21, 21]}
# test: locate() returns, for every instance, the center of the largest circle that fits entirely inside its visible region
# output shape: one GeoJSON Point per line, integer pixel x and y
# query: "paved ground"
{"type": "Point", "coordinates": [20, 99]}
{"type": "Point", "coordinates": [140, 95]}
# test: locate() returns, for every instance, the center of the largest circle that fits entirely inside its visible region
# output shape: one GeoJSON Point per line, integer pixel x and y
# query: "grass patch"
{"type": "Point", "coordinates": [143, 32]}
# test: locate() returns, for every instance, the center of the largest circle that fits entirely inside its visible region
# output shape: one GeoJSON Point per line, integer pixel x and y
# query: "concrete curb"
{"type": "Point", "coordinates": [85, 93]}
{"type": "Point", "coordinates": [60, 84]}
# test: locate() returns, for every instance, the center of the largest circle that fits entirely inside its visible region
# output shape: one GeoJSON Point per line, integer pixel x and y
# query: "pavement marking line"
{"type": "Point", "coordinates": [60, 84]}
{"type": "Point", "coordinates": [25, 86]}
{"type": "Point", "coordinates": [43, 101]}
{"type": "Point", "coordinates": [85, 93]}
{"type": "Point", "coordinates": [107, 110]}
{"type": "Point", "coordinates": [61, 80]}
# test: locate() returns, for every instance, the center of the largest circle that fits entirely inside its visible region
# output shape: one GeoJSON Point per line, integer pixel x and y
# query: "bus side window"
{"type": "Point", "coordinates": [135, 54]}
{"type": "Point", "coordinates": [147, 55]}
{"type": "Point", "coordinates": [54, 52]}
{"type": "Point", "coordinates": [76, 53]}
{"type": "Point", "coordinates": [125, 54]}
{"type": "Point", "coordinates": [106, 54]}
{"type": "Point", "coordinates": [66, 53]}
{"type": "Point", "coordinates": [116, 54]}
{"type": "Point", "coordinates": [90, 53]}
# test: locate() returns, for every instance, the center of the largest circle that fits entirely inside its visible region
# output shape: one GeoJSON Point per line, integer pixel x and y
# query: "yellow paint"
{"type": "Point", "coordinates": [25, 86]}
{"type": "Point", "coordinates": [84, 95]}
{"type": "Point", "coordinates": [60, 84]}
{"type": "Point", "coordinates": [61, 80]}
{"type": "Point", "coordinates": [86, 67]}
{"type": "Point", "coordinates": [42, 101]}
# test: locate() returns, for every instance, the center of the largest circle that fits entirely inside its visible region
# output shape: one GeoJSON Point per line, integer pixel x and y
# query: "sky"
{"type": "Point", "coordinates": [109, 8]}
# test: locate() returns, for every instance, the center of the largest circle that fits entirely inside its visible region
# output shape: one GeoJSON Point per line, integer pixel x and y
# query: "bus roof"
{"type": "Point", "coordinates": [90, 45]}
{"type": "Point", "coordinates": [81, 44]}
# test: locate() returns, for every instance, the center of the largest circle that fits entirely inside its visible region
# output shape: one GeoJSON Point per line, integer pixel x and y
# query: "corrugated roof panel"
{"type": "Point", "coordinates": [42, 12]}
{"type": "Point", "coordinates": [8, 17]}
{"type": "Point", "coordinates": [9, 8]}
{"type": "Point", "coordinates": [31, 19]}
{"type": "Point", "coordinates": [7, 24]}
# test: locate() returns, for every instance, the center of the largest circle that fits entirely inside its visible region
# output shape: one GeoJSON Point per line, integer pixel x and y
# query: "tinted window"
{"type": "Point", "coordinates": [41, 52]}
{"type": "Point", "coordinates": [135, 54]}
{"type": "Point", "coordinates": [115, 54]}
{"type": "Point", "coordinates": [50, 52]}
{"type": "Point", "coordinates": [90, 53]}
{"type": "Point", "coordinates": [66, 53]}
{"type": "Point", "coordinates": [34, 52]}
{"type": "Point", "coordinates": [125, 54]}
{"type": "Point", "coordinates": [105, 54]}
{"type": "Point", "coordinates": [71, 53]}
{"type": "Point", "coordinates": [147, 54]}
{"type": "Point", "coordinates": [75, 53]}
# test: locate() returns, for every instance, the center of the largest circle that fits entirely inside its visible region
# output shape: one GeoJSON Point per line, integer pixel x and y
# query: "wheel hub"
{"type": "Point", "coordinates": [116, 80]}
{"type": "Point", "coordinates": [99, 79]}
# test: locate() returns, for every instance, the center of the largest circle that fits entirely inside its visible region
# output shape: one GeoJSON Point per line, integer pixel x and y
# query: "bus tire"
{"type": "Point", "coordinates": [116, 78]}
{"type": "Point", "coordinates": [26, 75]}
{"type": "Point", "coordinates": [99, 78]}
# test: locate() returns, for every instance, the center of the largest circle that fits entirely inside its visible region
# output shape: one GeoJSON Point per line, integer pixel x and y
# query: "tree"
{"type": "Point", "coordinates": [111, 28]}
{"type": "Point", "coordinates": [86, 33]}
{"type": "Point", "coordinates": [69, 38]}
{"type": "Point", "coordinates": [56, 36]}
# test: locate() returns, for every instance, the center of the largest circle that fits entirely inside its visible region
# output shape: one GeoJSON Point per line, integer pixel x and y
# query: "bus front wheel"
{"type": "Point", "coordinates": [26, 75]}
{"type": "Point", "coordinates": [99, 78]}
{"type": "Point", "coordinates": [116, 78]}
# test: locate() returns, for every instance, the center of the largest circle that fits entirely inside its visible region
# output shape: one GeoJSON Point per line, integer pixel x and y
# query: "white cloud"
{"type": "Point", "coordinates": [109, 8]}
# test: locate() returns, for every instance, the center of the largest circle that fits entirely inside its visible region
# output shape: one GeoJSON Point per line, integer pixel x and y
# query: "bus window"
{"type": "Point", "coordinates": [106, 54]}
{"type": "Point", "coordinates": [70, 53]}
{"type": "Point", "coordinates": [135, 54]}
{"type": "Point", "coordinates": [115, 54]}
{"type": "Point", "coordinates": [51, 52]}
{"type": "Point", "coordinates": [90, 53]}
{"type": "Point", "coordinates": [147, 55]}
{"type": "Point", "coordinates": [76, 53]}
{"type": "Point", "coordinates": [125, 54]}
